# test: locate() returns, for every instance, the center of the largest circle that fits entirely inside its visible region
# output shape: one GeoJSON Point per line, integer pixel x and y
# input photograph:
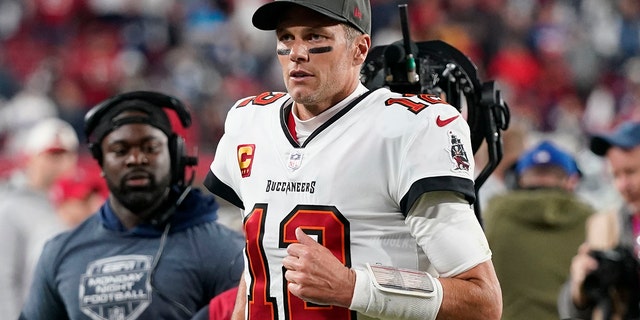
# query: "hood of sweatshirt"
{"type": "Point", "coordinates": [196, 208]}
{"type": "Point", "coordinates": [548, 208]}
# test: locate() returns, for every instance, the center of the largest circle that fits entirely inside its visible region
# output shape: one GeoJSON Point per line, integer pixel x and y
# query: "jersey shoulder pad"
{"type": "Point", "coordinates": [265, 99]}
{"type": "Point", "coordinates": [254, 108]}
{"type": "Point", "coordinates": [417, 104]}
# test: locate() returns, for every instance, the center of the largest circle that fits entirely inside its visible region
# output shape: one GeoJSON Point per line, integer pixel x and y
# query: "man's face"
{"type": "Point", "coordinates": [137, 165]}
{"type": "Point", "coordinates": [625, 168]}
{"type": "Point", "coordinates": [319, 65]}
{"type": "Point", "coordinates": [46, 167]}
{"type": "Point", "coordinates": [545, 176]}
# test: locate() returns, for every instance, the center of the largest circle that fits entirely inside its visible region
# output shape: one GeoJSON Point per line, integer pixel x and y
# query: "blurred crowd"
{"type": "Point", "coordinates": [565, 67]}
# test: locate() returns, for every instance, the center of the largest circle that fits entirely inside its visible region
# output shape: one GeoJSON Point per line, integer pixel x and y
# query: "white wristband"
{"type": "Point", "coordinates": [371, 301]}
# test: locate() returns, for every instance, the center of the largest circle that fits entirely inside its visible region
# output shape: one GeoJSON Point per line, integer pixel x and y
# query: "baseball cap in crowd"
{"type": "Point", "coordinates": [354, 12]}
{"type": "Point", "coordinates": [625, 136]}
{"type": "Point", "coordinates": [546, 153]}
{"type": "Point", "coordinates": [50, 135]}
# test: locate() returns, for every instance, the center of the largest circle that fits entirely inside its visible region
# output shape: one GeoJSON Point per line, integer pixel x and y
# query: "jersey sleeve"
{"type": "Point", "coordinates": [437, 156]}
{"type": "Point", "coordinates": [234, 155]}
{"type": "Point", "coordinates": [224, 168]}
{"type": "Point", "coordinates": [448, 232]}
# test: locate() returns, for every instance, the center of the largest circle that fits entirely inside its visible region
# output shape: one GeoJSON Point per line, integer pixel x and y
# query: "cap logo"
{"type": "Point", "coordinates": [546, 154]}
{"type": "Point", "coordinates": [542, 157]}
{"type": "Point", "coordinates": [357, 13]}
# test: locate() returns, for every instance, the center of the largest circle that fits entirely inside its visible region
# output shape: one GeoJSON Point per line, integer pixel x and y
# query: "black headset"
{"type": "Point", "coordinates": [180, 160]}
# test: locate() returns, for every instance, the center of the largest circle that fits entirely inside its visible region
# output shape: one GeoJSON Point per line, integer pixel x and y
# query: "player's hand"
{"type": "Point", "coordinates": [315, 275]}
{"type": "Point", "coordinates": [581, 265]}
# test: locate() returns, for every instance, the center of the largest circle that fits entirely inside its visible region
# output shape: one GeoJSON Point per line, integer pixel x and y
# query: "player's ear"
{"type": "Point", "coordinates": [362, 44]}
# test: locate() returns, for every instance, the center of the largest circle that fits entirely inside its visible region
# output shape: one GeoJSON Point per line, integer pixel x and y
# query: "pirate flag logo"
{"type": "Point", "coordinates": [458, 154]}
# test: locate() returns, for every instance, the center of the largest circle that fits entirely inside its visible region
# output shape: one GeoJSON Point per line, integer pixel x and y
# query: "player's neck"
{"type": "Point", "coordinates": [310, 110]}
{"type": "Point", "coordinates": [306, 111]}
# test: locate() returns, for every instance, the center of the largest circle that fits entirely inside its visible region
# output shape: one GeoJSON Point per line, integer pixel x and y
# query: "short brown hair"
{"type": "Point", "coordinates": [350, 32]}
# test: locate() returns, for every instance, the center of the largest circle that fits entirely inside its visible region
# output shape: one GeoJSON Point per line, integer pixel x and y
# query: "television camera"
{"type": "Point", "coordinates": [614, 287]}
{"type": "Point", "coordinates": [435, 67]}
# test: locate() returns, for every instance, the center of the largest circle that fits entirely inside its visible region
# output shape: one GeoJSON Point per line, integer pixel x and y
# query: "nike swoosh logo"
{"type": "Point", "coordinates": [442, 123]}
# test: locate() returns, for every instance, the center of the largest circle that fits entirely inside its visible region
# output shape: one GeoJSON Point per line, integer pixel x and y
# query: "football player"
{"type": "Point", "coordinates": [357, 204]}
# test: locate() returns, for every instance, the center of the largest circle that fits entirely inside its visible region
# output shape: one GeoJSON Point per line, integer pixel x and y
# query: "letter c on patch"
{"type": "Point", "coordinates": [245, 158]}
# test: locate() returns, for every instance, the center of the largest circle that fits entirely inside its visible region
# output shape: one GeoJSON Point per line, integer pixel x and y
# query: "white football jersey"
{"type": "Point", "coordinates": [349, 185]}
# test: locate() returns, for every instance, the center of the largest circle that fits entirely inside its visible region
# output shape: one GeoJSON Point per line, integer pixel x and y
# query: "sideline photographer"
{"type": "Point", "coordinates": [604, 280]}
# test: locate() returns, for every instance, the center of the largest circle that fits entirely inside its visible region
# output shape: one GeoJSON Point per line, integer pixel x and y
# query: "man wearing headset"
{"type": "Point", "coordinates": [154, 249]}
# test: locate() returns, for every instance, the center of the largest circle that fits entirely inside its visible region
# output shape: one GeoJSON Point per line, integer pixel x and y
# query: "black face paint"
{"type": "Point", "coordinates": [286, 52]}
{"type": "Point", "coordinates": [320, 49]}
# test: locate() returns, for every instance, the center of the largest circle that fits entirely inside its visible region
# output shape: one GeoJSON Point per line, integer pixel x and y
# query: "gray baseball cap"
{"type": "Point", "coordinates": [354, 12]}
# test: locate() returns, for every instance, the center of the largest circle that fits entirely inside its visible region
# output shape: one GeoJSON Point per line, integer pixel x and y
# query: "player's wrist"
{"type": "Point", "coordinates": [369, 299]}
{"type": "Point", "coordinates": [343, 293]}
{"type": "Point", "coordinates": [361, 291]}
{"type": "Point", "coordinates": [351, 289]}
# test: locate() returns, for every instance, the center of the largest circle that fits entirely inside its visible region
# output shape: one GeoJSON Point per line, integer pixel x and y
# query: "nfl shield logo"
{"type": "Point", "coordinates": [295, 159]}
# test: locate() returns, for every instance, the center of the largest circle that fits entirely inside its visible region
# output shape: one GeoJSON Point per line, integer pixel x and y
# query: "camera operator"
{"type": "Point", "coordinates": [604, 274]}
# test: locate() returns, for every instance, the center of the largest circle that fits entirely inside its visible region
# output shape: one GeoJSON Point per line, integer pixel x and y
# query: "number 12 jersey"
{"type": "Point", "coordinates": [350, 185]}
